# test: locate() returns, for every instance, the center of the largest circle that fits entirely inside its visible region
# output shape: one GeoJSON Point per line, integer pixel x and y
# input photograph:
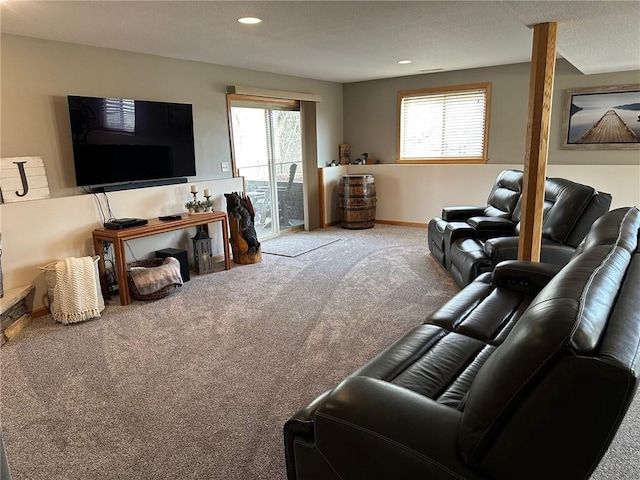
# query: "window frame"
{"type": "Point", "coordinates": [239, 100]}
{"type": "Point", "coordinates": [486, 86]}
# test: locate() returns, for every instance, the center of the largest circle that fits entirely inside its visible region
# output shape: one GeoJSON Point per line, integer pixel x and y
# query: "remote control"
{"type": "Point", "coordinates": [170, 217]}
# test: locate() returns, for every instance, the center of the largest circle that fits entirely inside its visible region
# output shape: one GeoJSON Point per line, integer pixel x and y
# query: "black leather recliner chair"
{"type": "Point", "coordinates": [482, 242]}
{"type": "Point", "coordinates": [525, 374]}
{"type": "Point", "coordinates": [501, 203]}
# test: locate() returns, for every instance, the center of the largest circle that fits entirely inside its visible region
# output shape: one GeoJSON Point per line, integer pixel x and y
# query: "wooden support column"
{"type": "Point", "coordinates": [543, 63]}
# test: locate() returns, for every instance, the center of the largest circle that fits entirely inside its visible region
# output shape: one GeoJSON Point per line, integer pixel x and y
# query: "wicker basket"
{"type": "Point", "coordinates": [150, 263]}
{"type": "Point", "coordinates": [49, 271]}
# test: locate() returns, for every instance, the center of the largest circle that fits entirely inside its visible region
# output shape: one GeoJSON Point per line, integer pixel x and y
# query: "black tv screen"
{"type": "Point", "coordinates": [118, 140]}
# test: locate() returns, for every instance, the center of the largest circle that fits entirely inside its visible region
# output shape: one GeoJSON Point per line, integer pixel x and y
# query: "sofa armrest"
{"type": "Point", "coordinates": [461, 213]}
{"type": "Point", "coordinates": [369, 428]}
{"type": "Point", "coordinates": [555, 253]}
{"type": "Point", "coordinates": [301, 422]}
{"type": "Point", "coordinates": [522, 276]}
{"type": "Point", "coordinates": [5, 472]}
{"type": "Point", "coordinates": [452, 232]}
{"type": "Point", "coordinates": [456, 230]}
{"type": "Point", "coordinates": [488, 227]}
{"type": "Point", "coordinates": [499, 249]}
{"type": "Point", "coordinates": [300, 427]}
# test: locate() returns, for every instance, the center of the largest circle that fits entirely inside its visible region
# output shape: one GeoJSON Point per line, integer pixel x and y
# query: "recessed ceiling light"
{"type": "Point", "coordinates": [250, 20]}
{"type": "Point", "coordinates": [403, 62]}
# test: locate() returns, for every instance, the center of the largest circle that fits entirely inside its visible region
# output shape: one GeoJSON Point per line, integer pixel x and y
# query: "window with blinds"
{"type": "Point", "coordinates": [447, 124]}
{"type": "Point", "coordinates": [120, 114]}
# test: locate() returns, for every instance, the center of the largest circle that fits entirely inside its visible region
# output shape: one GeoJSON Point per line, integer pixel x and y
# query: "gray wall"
{"type": "Point", "coordinates": [370, 112]}
{"type": "Point", "coordinates": [37, 75]}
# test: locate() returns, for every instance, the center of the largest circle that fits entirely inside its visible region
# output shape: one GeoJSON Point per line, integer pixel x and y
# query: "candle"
{"type": "Point", "coordinates": [194, 188]}
{"type": "Point", "coordinates": [206, 192]}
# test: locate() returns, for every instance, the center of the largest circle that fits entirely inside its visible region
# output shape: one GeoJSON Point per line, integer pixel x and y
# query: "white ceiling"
{"type": "Point", "coordinates": [341, 41]}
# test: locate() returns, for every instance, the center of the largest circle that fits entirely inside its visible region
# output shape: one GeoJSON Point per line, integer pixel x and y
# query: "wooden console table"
{"type": "Point", "coordinates": [155, 226]}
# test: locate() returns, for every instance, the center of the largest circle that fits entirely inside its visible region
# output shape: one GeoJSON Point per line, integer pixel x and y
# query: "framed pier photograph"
{"type": "Point", "coordinates": [602, 118]}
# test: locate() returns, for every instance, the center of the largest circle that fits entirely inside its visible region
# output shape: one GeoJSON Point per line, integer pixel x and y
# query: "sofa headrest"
{"type": "Point", "coordinates": [564, 203]}
{"type": "Point", "coordinates": [598, 205]}
{"type": "Point", "coordinates": [568, 318]}
{"type": "Point", "coordinates": [505, 194]}
{"type": "Point", "coordinates": [621, 226]}
{"type": "Point", "coordinates": [568, 211]}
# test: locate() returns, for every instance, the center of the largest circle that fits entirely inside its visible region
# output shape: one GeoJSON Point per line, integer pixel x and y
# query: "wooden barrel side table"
{"type": "Point", "coordinates": [357, 201]}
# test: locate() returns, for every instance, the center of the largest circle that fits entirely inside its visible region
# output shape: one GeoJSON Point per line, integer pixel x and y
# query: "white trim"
{"type": "Point", "coordinates": [263, 92]}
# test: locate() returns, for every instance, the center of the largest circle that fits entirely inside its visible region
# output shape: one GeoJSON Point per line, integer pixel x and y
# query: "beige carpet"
{"type": "Point", "coordinates": [296, 243]}
{"type": "Point", "coordinates": [199, 384]}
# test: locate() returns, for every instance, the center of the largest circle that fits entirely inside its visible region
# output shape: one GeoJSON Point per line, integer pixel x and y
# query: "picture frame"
{"type": "Point", "coordinates": [344, 153]}
{"type": "Point", "coordinates": [602, 118]}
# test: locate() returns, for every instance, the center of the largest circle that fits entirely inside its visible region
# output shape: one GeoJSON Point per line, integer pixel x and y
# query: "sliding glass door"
{"type": "Point", "coordinates": [267, 147]}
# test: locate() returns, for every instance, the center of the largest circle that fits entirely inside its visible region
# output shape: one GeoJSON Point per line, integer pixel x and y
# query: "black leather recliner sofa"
{"type": "Point", "coordinates": [501, 204]}
{"type": "Point", "coordinates": [569, 211]}
{"type": "Point", "coordinates": [525, 374]}
{"type": "Point", "coordinates": [476, 245]}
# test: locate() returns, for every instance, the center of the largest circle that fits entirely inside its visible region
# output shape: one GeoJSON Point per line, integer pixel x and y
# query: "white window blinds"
{"type": "Point", "coordinates": [443, 125]}
{"type": "Point", "coordinates": [120, 114]}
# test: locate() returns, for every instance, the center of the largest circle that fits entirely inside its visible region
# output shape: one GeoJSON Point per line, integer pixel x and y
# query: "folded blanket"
{"type": "Point", "coordinates": [76, 295]}
{"type": "Point", "coordinates": [150, 280]}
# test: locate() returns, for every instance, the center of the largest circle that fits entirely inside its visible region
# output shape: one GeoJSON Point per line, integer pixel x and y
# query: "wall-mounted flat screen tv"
{"type": "Point", "coordinates": [119, 140]}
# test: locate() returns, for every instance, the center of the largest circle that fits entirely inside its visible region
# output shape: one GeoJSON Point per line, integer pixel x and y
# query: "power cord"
{"type": "Point", "coordinates": [109, 266]}
{"type": "Point", "coordinates": [131, 251]}
{"type": "Point", "coordinates": [106, 246]}
{"type": "Point", "coordinates": [100, 207]}
{"type": "Point", "coordinates": [106, 197]}
{"type": "Point", "coordinates": [105, 218]}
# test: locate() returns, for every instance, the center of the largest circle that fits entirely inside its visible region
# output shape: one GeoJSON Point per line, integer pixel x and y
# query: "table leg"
{"type": "Point", "coordinates": [121, 267]}
{"type": "Point", "coordinates": [225, 242]}
{"type": "Point", "coordinates": [102, 270]}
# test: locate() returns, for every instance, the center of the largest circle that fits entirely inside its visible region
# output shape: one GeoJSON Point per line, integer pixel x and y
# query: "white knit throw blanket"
{"type": "Point", "coordinates": [76, 296]}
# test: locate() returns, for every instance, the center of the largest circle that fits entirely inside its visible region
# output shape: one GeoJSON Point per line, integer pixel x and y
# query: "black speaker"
{"type": "Point", "coordinates": [181, 256]}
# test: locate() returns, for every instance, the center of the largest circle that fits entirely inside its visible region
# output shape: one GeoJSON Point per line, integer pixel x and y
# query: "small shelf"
{"type": "Point", "coordinates": [13, 296]}
{"type": "Point", "coordinates": [14, 311]}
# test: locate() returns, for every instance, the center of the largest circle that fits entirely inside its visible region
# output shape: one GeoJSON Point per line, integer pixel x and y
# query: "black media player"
{"type": "Point", "coordinates": [120, 223]}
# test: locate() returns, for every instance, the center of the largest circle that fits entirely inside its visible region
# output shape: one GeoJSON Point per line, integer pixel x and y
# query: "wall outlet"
{"type": "Point", "coordinates": [224, 166]}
